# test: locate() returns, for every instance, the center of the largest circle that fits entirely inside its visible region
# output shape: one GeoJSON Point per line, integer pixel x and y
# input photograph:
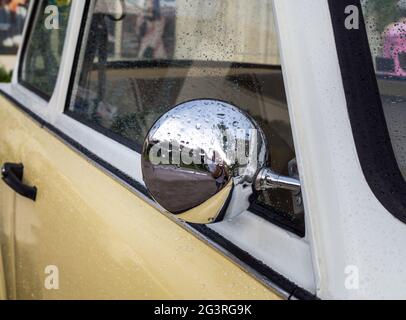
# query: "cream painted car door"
{"type": "Point", "coordinates": [95, 235]}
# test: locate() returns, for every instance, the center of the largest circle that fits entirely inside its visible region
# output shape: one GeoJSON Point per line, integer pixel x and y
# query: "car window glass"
{"type": "Point", "coordinates": [386, 28]}
{"type": "Point", "coordinates": [43, 49]}
{"type": "Point", "coordinates": [138, 59]}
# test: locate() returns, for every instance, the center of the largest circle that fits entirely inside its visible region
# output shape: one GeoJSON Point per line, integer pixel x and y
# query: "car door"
{"type": "Point", "coordinates": [76, 219]}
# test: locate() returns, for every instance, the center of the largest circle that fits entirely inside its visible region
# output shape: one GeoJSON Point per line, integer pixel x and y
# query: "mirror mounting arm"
{"type": "Point", "coordinates": [269, 179]}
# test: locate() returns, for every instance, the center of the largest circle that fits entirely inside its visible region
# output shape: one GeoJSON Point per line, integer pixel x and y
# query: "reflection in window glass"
{"type": "Point", "coordinates": [386, 26]}
{"type": "Point", "coordinates": [140, 58]}
{"type": "Point", "coordinates": [43, 50]}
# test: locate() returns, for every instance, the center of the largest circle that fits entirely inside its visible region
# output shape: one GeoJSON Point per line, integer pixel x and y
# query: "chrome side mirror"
{"type": "Point", "coordinates": [202, 160]}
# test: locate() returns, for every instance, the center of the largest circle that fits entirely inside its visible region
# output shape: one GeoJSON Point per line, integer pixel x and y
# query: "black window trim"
{"type": "Point", "coordinates": [365, 110]}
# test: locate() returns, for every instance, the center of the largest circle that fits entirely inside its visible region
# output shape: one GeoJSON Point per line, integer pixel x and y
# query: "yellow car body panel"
{"type": "Point", "coordinates": [106, 241]}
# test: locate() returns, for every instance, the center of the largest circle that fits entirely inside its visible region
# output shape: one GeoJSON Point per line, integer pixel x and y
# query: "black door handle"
{"type": "Point", "coordinates": [12, 175]}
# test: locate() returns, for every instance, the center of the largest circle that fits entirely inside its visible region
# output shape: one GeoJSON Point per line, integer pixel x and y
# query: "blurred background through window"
{"type": "Point", "coordinates": [12, 18]}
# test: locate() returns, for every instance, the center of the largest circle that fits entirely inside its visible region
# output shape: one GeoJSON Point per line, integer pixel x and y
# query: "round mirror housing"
{"type": "Point", "coordinates": [201, 161]}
